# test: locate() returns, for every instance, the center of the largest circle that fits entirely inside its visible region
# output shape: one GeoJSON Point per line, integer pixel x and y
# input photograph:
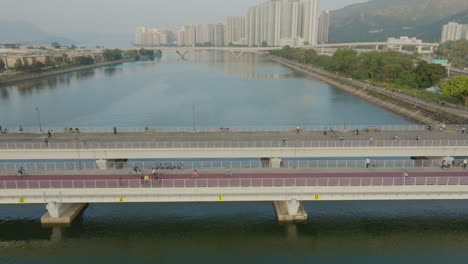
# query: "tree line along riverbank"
{"type": "Point", "coordinates": [38, 75]}
{"type": "Point", "coordinates": [389, 69]}
{"type": "Point", "coordinates": [24, 70]}
{"type": "Point", "coordinates": [411, 107]}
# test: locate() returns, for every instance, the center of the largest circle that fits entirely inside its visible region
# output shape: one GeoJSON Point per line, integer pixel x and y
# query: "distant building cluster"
{"type": "Point", "coordinates": [454, 31]}
{"type": "Point", "coordinates": [274, 23]}
{"type": "Point", "coordinates": [153, 36]}
{"type": "Point", "coordinates": [10, 54]}
{"type": "Point", "coordinates": [402, 40]}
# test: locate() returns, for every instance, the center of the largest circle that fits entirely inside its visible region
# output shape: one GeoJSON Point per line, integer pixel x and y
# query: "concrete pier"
{"type": "Point", "coordinates": [61, 213]}
{"type": "Point", "coordinates": [105, 164]}
{"type": "Point", "coordinates": [290, 211]}
{"type": "Point", "coordinates": [274, 163]}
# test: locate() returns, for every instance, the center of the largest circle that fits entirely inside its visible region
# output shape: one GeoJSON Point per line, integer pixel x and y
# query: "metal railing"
{"type": "Point", "coordinates": [219, 164]}
{"type": "Point", "coordinates": [311, 128]}
{"type": "Point", "coordinates": [241, 144]}
{"type": "Point", "coordinates": [231, 183]}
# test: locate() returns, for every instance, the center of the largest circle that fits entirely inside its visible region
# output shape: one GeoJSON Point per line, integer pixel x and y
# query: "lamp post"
{"type": "Point", "coordinates": [39, 118]}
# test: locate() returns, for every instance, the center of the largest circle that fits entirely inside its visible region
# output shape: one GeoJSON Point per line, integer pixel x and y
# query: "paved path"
{"type": "Point", "coordinates": [245, 175]}
{"type": "Point", "coordinates": [227, 137]}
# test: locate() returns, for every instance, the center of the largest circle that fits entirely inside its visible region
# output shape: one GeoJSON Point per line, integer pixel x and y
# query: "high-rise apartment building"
{"type": "Point", "coordinates": [310, 31]}
{"type": "Point", "coordinates": [454, 31]}
{"type": "Point", "coordinates": [234, 30]}
{"type": "Point", "coordinates": [219, 34]}
{"type": "Point", "coordinates": [189, 35]}
{"type": "Point", "coordinates": [152, 36]}
{"type": "Point", "coordinates": [323, 27]}
{"type": "Point", "coordinates": [277, 23]}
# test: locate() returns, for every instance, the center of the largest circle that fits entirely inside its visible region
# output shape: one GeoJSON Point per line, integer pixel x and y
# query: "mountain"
{"type": "Point", "coordinates": [378, 20]}
{"type": "Point", "coordinates": [26, 33]}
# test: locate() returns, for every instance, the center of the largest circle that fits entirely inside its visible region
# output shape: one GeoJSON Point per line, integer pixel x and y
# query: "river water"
{"type": "Point", "coordinates": [249, 91]}
{"type": "Point", "coordinates": [225, 91]}
{"type": "Point", "coordinates": [337, 232]}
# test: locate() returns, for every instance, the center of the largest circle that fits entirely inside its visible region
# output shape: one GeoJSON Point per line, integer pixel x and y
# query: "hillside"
{"type": "Point", "coordinates": [26, 33]}
{"type": "Point", "coordinates": [379, 19]}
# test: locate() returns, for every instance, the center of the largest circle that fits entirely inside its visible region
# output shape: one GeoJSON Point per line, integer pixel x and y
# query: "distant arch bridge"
{"type": "Point", "coordinates": [422, 48]}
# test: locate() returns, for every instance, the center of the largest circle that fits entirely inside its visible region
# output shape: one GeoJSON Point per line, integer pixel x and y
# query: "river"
{"type": "Point", "coordinates": [337, 232]}
{"type": "Point", "coordinates": [251, 91]}
{"type": "Point", "coordinates": [226, 91]}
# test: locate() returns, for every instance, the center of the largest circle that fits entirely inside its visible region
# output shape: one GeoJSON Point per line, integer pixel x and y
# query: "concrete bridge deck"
{"type": "Point", "coordinates": [66, 195]}
{"type": "Point", "coordinates": [171, 137]}
{"type": "Point", "coordinates": [124, 146]}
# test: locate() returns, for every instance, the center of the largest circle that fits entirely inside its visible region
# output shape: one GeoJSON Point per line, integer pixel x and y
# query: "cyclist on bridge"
{"type": "Point", "coordinates": [21, 171]}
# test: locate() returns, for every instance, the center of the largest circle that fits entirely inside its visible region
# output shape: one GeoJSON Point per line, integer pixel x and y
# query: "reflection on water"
{"type": "Point", "coordinates": [227, 91]}
{"type": "Point", "coordinates": [247, 66]}
{"type": "Point", "coordinates": [337, 232]}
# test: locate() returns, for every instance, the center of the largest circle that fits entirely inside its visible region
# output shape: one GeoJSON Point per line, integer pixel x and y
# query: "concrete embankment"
{"type": "Point", "coordinates": [413, 108]}
{"type": "Point", "coordinates": [35, 76]}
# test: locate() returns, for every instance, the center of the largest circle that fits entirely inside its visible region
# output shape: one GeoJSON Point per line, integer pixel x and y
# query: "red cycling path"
{"type": "Point", "coordinates": [246, 175]}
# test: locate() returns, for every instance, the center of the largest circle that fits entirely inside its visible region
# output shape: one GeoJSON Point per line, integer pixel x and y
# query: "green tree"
{"type": "Point", "coordinates": [132, 53]}
{"type": "Point", "coordinates": [264, 44]}
{"type": "Point", "coordinates": [112, 54]}
{"type": "Point", "coordinates": [48, 61]}
{"type": "Point", "coordinates": [454, 51]}
{"type": "Point", "coordinates": [345, 61]}
{"type": "Point", "coordinates": [2, 65]}
{"type": "Point", "coordinates": [18, 65]}
{"type": "Point", "coordinates": [83, 60]}
{"type": "Point", "coordinates": [146, 54]}
{"type": "Point", "coordinates": [429, 75]}
{"type": "Point", "coordinates": [35, 67]}
{"type": "Point", "coordinates": [458, 86]}
{"type": "Point", "coordinates": [56, 45]}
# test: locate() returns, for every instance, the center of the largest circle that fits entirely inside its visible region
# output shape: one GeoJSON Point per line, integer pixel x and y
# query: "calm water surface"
{"type": "Point", "coordinates": [337, 232]}
{"type": "Point", "coordinates": [250, 91]}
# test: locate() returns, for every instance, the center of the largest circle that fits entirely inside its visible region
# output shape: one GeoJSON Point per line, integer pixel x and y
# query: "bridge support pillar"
{"type": "Point", "coordinates": [111, 164]}
{"type": "Point", "coordinates": [59, 213]}
{"type": "Point", "coordinates": [290, 211]}
{"type": "Point", "coordinates": [182, 53]}
{"type": "Point", "coordinates": [274, 163]}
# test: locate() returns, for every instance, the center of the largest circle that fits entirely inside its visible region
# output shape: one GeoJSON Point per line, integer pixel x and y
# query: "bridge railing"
{"type": "Point", "coordinates": [311, 128]}
{"type": "Point", "coordinates": [179, 166]}
{"type": "Point", "coordinates": [232, 183]}
{"type": "Point", "coordinates": [241, 144]}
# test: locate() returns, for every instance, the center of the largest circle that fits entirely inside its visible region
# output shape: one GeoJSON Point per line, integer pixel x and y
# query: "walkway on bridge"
{"type": "Point", "coordinates": [224, 139]}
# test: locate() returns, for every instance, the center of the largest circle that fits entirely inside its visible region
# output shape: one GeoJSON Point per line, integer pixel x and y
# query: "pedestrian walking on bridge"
{"type": "Point", "coordinates": [367, 163]}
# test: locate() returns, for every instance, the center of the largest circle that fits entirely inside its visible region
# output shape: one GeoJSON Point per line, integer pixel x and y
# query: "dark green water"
{"type": "Point", "coordinates": [337, 232]}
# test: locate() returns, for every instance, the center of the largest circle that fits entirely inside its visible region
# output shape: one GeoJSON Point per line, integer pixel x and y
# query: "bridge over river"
{"type": "Point", "coordinates": [272, 146]}
{"type": "Point", "coordinates": [66, 195]}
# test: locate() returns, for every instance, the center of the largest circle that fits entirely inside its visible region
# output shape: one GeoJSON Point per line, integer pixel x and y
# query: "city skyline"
{"type": "Point", "coordinates": [272, 23]}
{"type": "Point", "coordinates": [125, 16]}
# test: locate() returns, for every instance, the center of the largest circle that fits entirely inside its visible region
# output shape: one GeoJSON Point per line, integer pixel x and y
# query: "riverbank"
{"type": "Point", "coordinates": [413, 108]}
{"type": "Point", "coordinates": [35, 76]}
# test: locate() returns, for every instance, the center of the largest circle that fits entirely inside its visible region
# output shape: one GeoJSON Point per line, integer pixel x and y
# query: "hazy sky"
{"type": "Point", "coordinates": [122, 16]}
